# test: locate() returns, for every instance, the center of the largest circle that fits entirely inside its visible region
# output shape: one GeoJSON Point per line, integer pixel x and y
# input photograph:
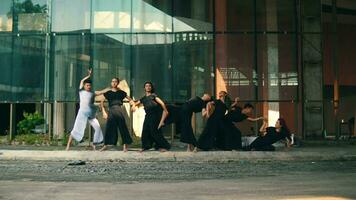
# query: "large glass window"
{"type": "Point", "coordinates": [234, 15]}
{"type": "Point", "coordinates": [31, 15]}
{"type": "Point", "coordinates": [277, 67]}
{"type": "Point", "coordinates": [339, 65]}
{"type": "Point", "coordinates": [6, 15]}
{"type": "Point", "coordinates": [235, 65]}
{"type": "Point", "coordinates": [6, 68]}
{"type": "Point", "coordinates": [71, 61]}
{"type": "Point", "coordinates": [28, 58]}
{"type": "Point", "coordinates": [193, 15]}
{"type": "Point", "coordinates": [111, 59]}
{"type": "Point", "coordinates": [275, 15]}
{"type": "Point", "coordinates": [152, 61]}
{"type": "Point", "coordinates": [111, 16]}
{"type": "Point", "coordinates": [152, 16]}
{"type": "Point", "coordinates": [192, 65]}
{"type": "Point", "coordinates": [69, 15]}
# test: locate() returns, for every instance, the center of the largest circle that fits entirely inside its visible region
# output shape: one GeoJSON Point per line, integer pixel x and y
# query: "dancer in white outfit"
{"type": "Point", "coordinates": [86, 114]}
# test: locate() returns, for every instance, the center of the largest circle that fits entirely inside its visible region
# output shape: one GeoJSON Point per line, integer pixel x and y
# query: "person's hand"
{"type": "Point", "coordinates": [105, 115]}
{"type": "Point", "coordinates": [133, 108]}
{"type": "Point", "coordinates": [161, 124]}
{"type": "Point", "coordinates": [90, 71]}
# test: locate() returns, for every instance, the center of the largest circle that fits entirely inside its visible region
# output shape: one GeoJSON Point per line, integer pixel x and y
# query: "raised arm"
{"type": "Point", "coordinates": [164, 113]}
{"type": "Point", "coordinates": [81, 85]}
{"type": "Point", "coordinates": [263, 128]}
{"type": "Point", "coordinates": [101, 92]}
{"type": "Point", "coordinates": [236, 102]}
{"type": "Point", "coordinates": [254, 119]}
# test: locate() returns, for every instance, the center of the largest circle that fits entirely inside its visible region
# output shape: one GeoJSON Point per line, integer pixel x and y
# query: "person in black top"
{"type": "Point", "coordinates": [271, 135]}
{"type": "Point", "coordinates": [215, 112]}
{"type": "Point", "coordinates": [194, 105]}
{"type": "Point", "coordinates": [230, 136]}
{"type": "Point", "coordinates": [115, 117]}
{"type": "Point", "coordinates": [156, 113]}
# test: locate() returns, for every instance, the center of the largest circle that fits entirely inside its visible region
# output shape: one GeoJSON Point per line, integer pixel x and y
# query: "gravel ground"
{"type": "Point", "coordinates": [132, 172]}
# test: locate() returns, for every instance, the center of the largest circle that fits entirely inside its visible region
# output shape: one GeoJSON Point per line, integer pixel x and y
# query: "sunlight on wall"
{"type": "Point", "coordinates": [220, 82]}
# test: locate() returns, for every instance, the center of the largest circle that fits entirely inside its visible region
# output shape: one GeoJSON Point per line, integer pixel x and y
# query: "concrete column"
{"type": "Point", "coordinates": [312, 69]}
{"type": "Point", "coordinates": [58, 120]}
{"type": "Point", "coordinates": [12, 126]}
{"type": "Point", "coordinates": [272, 57]}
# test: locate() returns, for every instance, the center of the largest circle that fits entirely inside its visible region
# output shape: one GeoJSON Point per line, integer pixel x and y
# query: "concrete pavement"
{"type": "Point", "coordinates": [301, 154]}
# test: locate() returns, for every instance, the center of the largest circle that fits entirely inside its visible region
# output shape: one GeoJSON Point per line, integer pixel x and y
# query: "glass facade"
{"type": "Point", "coordinates": [253, 49]}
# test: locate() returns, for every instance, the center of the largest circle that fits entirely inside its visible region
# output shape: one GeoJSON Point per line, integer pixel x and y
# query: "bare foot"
{"type": "Point", "coordinates": [126, 148]}
{"type": "Point", "coordinates": [67, 149]}
{"type": "Point", "coordinates": [162, 150]}
{"type": "Point", "coordinates": [93, 147]}
{"type": "Point", "coordinates": [104, 148]}
{"type": "Point", "coordinates": [195, 150]}
{"type": "Point", "coordinates": [189, 148]}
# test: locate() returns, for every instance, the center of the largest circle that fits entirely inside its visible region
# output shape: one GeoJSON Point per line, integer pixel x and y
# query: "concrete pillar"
{"type": "Point", "coordinates": [12, 125]}
{"type": "Point", "coordinates": [312, 69]}
{"type": "Point", "coordinates": [58, 120]}
{"type": "Point", "coordinates": [272, 59]}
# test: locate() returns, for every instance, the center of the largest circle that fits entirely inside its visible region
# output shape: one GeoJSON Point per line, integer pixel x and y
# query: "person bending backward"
{"type": "Point", "coordinates": [194, 105]}
{"type": "Point", "coordinates": [116, 116]}
{"type": "Point", "coordinates": [86, 113]}
{"type": "Point", "coordinates": [156, 113]}
{"type": "Point", "coordinates": [214, 112]}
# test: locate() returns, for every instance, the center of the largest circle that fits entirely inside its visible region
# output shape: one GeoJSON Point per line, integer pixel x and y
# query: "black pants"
{"type": "Point", "coordinates": [116, 119]}
{"type": "Point", "coordinates": [229, 137]}
{"type": "Point", "coordinates": [151, 134]}
{"type": "Point", "coordinates": [187, 134]}
{"type": "Point", "coordinates": [262, 144]}
{"type": "Point", "coordinates": [207, 139]}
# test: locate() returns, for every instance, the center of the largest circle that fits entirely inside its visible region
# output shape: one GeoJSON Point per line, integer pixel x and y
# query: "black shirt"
{"type": "Point", "coordinates": [149, 103]}
{"type": "Point", "coordinates": [115, 98]}
{"type": "Point", "coordinates": [195, 104]}
{"type": "Point", "coordinates": [273, 136]}
{"type": "Point", "coordinates": [236, 115]}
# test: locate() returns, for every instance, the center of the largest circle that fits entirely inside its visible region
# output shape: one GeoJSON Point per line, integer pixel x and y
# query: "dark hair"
{"type": "Point", "coordinates": [152, 87]}
{"type": "Point", "coordinates": [283, 123]}
{"type": "Point", "coordinates": [248, 105]}
{"type": "Point", "coordinates": [118, 80]}
{"type": "Point", "coordinates": [87, 81]}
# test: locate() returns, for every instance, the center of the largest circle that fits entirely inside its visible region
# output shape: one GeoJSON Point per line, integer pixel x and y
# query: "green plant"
{"type": "Point", "coordinates": [31, 120]}
{"type": "Point", "coordinates": [65, 139]}
{"type": "Point", "coordinates": [31, 139]}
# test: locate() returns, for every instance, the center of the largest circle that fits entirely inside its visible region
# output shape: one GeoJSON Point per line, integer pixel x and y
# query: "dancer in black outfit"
{"type": "Point", "coordinates": [156, 113]}
{"type": "Point", "coordinates": [271, 135]}
{"type": "Point", "coordinates": [194, 105]}
{"type": "Point", "coordinates": [230, 136]}
{"type": "Point", "coordinates": [116, 117]}
{"type": "Point", "coordinates": [215, 112]}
